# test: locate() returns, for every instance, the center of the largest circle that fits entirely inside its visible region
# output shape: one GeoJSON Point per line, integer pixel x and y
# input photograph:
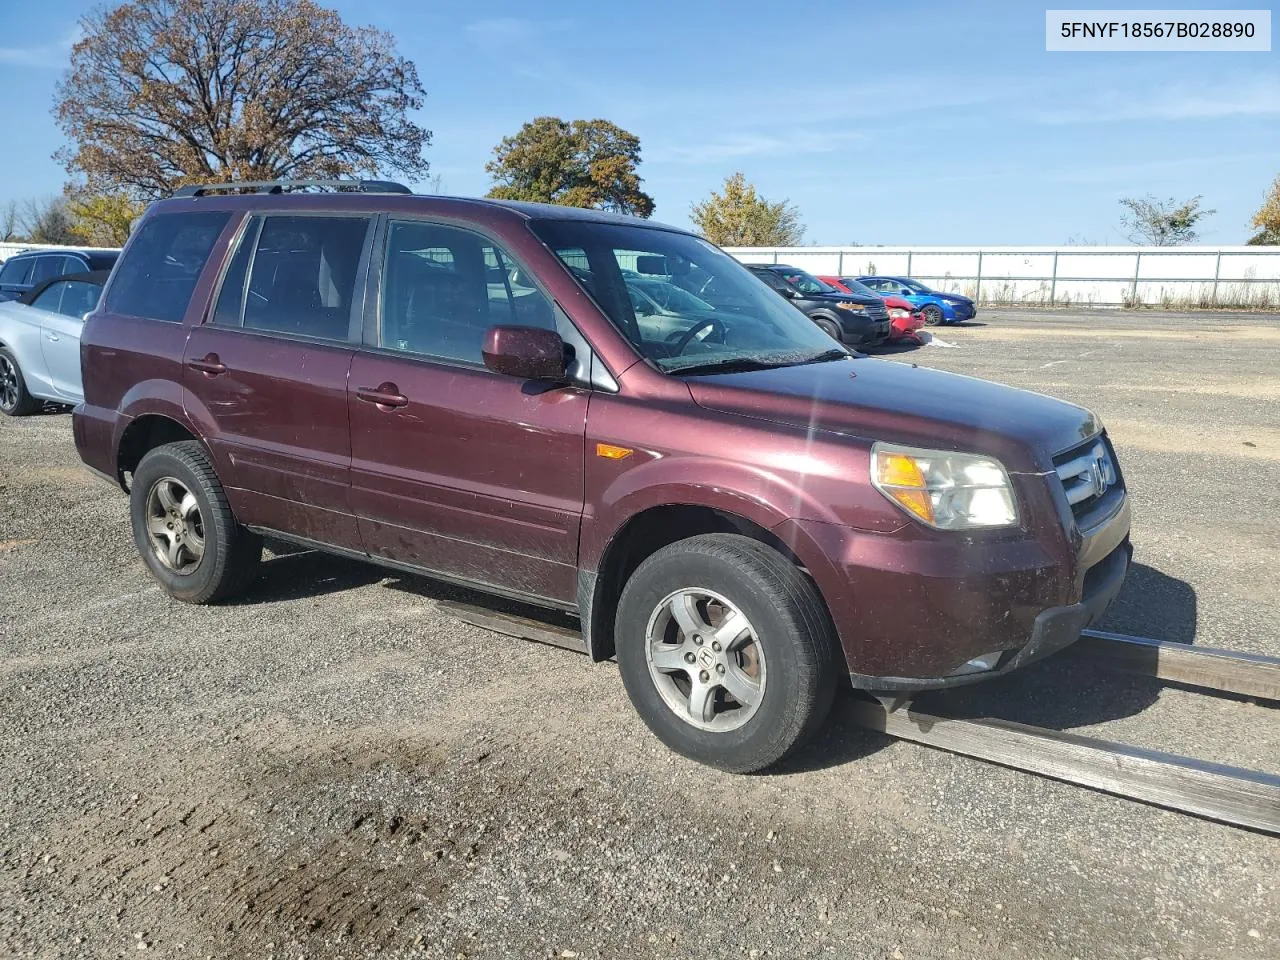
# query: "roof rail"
{"type": "Point", "coordinates": [280, 186]}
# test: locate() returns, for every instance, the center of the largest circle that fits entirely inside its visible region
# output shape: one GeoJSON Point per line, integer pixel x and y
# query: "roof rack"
{"type": "Point", "coordinates": [280, 186]}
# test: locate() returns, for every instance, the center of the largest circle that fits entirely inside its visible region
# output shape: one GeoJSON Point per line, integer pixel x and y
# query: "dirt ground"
{"type": "Point", "coordinates": [330, 767]}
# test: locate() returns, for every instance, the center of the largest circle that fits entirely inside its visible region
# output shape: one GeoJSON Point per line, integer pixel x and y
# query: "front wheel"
{"type": "Point", "coordinates": [932, 314]}
{"type": "Point", "coordinates": [726, 651]}
{"type": "Point", "coordinates": [828, 327]}
{"type": "Point", "coordinates": [184, 528]}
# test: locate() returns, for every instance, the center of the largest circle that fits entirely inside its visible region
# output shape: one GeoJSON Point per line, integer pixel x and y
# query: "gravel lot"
{"type": "Point", "coordinates": [331, 768]}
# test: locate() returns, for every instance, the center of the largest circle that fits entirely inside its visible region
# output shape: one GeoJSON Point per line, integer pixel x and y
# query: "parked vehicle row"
{"type": "Point", "coordinates": [597, 414]}
{"type": "Point", "coordinates": [904, 318]}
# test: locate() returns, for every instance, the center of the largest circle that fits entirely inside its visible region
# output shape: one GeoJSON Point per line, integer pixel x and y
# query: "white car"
{"type": "Point", "coordinates": [40, 342]}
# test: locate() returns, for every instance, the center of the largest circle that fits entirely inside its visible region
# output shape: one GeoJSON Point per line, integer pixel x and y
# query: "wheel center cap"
{"type": "Point", "coordinates": [706, 658]}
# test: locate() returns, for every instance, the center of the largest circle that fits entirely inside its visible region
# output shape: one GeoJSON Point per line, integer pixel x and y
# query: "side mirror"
{"type": "Point", "coordinates": [530, 353]}
{"type": "Point", "coordinates": [789, 293]}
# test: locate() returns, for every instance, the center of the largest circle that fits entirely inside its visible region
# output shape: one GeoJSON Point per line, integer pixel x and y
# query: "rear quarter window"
{"type": "Point", "coordinates": [158, 273]}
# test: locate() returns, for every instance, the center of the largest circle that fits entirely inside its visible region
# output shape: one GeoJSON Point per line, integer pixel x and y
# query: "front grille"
{"type": "Point", "coordinates": [877, 311]}
{"type": "Point", "coordinates": [1089, 476]}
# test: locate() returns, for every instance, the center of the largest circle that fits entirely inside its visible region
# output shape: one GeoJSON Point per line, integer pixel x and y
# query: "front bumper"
{"type": "Point", "coordinates": [915, 610]}
{"type": "Point", "coordinates": [870, 333]}
{"type": "Point", "coordinates": [1052, 630]}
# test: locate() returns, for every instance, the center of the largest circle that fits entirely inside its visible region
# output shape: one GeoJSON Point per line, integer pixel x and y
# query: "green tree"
{"type": "Point", "coordinates": [739, 217]}
{"type": "Point", "coordinates": [102, 219]}
{"type": "Point", "coordinates": [1267, 219]}
{"type": "Point", "coordinates": [166, 92]}
{"type": "Point", "coordinates": [579, 163]}
{"type": "Point", "coordinates": [1161, 223]}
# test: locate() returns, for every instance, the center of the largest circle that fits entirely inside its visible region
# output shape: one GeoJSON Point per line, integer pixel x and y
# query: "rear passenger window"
{"type": "Point", "coordinates": [444, 287]}
{"type": "Point", "coordinates": [47, 268]}
{"type": "Point", "coordinates": [302, 276]}
{"type": "Point", "coordinates": [158, 273]}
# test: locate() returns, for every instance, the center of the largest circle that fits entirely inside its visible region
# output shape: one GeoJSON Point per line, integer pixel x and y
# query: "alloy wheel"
{"type": "Point", "coordinates": [8, 384]}
{"type": "Point", "coordinates": [175, 527]}
{"type": "Point", "coordinates": [705, 659]}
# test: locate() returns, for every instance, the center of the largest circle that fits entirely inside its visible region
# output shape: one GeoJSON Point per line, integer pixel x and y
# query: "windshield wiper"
{"type": "Point", "coordinates": [731, 365]}
{"type": "Point", "coordinates": [835, 353]}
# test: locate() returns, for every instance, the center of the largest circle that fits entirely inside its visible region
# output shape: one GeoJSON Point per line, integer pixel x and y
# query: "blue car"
{"type": "Point", "coordinates": [937, 307]}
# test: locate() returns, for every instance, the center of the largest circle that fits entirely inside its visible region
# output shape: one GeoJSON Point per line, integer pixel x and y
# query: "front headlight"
{"type": "Point", "coordinates": [846, 305]}
{"type": "Point", "coordinates": [948, 491]}
{"type": "Point", "coordinates": [898, 313]}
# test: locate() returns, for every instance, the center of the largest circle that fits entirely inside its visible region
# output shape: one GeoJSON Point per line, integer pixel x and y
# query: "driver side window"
{"type": "Point", "coordinates": [444, 287]}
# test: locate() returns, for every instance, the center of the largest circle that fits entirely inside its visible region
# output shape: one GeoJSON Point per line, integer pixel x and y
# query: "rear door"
{"type": "Point", "coordinates": [456, 469]}
{"type": "Point", "coordinates": [266, 374]}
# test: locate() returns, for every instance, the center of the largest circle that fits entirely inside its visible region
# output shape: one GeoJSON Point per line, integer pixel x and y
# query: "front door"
{"type": "Point", "coordinates": [266, 374]}
{"type": "Point", "coordinates": [456, 469]}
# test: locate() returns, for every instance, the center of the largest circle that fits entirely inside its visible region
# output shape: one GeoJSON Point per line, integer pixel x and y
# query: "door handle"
{"type": "Point", "coordinates": [209, 365]}
{"type": "Point", "coordinates": [384, 395]}
{"type": "Point", "coordinates": [53, 338]}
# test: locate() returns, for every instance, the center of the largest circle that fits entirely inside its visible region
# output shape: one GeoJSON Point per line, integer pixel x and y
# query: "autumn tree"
{"type": "Point", "coordinates": [1267, 219]}
{"type": "Point", "coordinates": [739, 217]}
{"type": "Point", "coordinates": [166, 92]}
{"type": "Point", "coordinates": [582, 163]}
{"type": "Point", "coordinates": [1161, 223]}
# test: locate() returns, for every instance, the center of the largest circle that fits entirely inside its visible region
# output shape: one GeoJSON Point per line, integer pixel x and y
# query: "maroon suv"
{"type": "Point", "coordinates": [735, 506]}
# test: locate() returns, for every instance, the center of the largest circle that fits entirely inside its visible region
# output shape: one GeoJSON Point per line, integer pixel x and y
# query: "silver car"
{"type": "Point", "coordinates": [40, 342]}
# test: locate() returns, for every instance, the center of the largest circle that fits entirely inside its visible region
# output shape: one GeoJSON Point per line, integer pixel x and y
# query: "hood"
{"type": "Point", "coordinates": [886, 400]}
{"type": "Point", "coordinates": [839, 296]}
{"type": "Point", "coordinates": [893, 300]}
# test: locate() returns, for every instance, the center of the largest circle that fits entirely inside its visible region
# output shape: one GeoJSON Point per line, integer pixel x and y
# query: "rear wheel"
{"type": "Point", "coordinates": [726, 651]}
{"type": "Point", "coordinates": [184, 528]}
{"type": "Point", "coordinates": [15, 401]}
{"type": "Point", "coordinates": [932, 314]}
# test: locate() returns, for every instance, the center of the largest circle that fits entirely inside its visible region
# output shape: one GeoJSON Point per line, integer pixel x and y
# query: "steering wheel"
{"type": "Point", "coordinates": [686, 338]}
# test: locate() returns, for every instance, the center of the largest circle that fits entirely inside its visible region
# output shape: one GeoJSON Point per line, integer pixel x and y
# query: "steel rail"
{"type": "Point", "coordinates": [1225, 671]}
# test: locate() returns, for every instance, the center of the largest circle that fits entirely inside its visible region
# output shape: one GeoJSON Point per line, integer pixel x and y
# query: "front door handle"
{"type": "Point", "coordinates": [386, 395]}
{"type": "Point", "coordinates": [53, 338]}
{"type": "Point", "coordinates": [209, 365]}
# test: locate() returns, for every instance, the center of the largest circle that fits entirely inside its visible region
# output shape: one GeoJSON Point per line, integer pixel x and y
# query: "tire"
{"type": "Point", "coordinates": [782, 658]}
{"type": "Point", "coordinates": [194, 547]}
{"type": "Point", "coordinates": [932, 314]}
{"type": "Point", "coordinates": [830, 328]}
{"type": "Point", "coordinates": [15, 401]}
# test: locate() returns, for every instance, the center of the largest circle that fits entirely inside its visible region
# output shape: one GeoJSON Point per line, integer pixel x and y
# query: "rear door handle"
{"type": "Point", "coordinates": [385, 395]}
{"type": "Point", "coordinates": [210, 365]}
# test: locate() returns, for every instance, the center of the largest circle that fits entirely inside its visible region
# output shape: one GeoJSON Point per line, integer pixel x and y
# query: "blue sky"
{"type": "Point", "coordinates": [905, 122]}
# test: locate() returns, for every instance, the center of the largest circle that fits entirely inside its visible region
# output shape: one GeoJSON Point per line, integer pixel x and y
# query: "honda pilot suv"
{"type": "Point", "coordinates": [503, 395]}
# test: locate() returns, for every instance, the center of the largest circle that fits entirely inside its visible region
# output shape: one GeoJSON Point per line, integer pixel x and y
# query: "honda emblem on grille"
{"type": "Point", "coordinates": [1100, 472]}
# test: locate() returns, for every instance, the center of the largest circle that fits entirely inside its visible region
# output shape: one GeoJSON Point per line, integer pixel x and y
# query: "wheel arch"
{"type": "Point", "coordinates": [641, 535]}
{"type": "Point", "coordinates": [143, 434]}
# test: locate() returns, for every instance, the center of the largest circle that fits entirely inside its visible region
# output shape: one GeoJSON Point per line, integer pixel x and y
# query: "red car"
{"type": "Point", "coordinates": [904, 318]}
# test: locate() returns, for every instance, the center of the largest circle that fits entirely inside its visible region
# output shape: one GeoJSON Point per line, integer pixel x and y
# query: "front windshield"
{"type": "Point", "coordinates": [806, 282]}
{"type": "Point", "coordinates": [861, 289]}
{"type": "Point", "coordinates": [684, 304]}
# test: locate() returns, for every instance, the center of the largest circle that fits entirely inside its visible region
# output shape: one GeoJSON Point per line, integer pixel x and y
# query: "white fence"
{"type": "Point", "coordinates": [1084, 276]}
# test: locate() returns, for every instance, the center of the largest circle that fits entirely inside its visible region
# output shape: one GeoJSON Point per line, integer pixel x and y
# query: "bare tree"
{"type": "Point", "coordinates": [1161, 223]}
{"type": "Point", "coordinates": [163, 92]}
{"type": "Point", "coordinates": [48, 220]}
